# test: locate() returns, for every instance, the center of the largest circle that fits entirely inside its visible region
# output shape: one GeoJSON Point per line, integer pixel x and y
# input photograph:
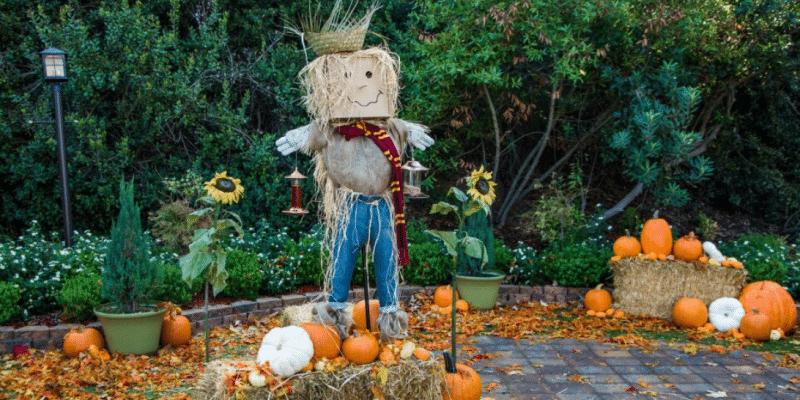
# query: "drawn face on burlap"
{"type": "Point", "coordinates": [352, 86]}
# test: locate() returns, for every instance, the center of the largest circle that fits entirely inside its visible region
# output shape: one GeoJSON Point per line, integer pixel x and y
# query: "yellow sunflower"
{"type": "Point", "coordinates": [481, 186]}
{"type": "Point", "coordinates": [224, 188]}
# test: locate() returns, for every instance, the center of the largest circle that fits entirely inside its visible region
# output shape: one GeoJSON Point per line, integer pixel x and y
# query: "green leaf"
{"type": "Point", "coordinates": [218, 276]}
{"type": "Point", "coordinates": [475, 248]}
{"type": "Point", "coordinates": [443, 208]}
{"type": "Point", "coordinates": [473, 206]}
{"type": "Point", "coordinates": [193, 265]}
{"type": "Point", "coordinates": [458, 194]}
{"type": "Point", "coordinates": [449, 239]}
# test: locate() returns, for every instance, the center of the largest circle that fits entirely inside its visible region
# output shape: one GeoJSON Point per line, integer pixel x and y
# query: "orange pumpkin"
{"type": "Point", "coordinates": [422, 354]}
{"type": "Point", "coordinates": [688, 248]}
{"type": "Point", "coordinates": [79, 339]}
{"type": "Point", "coordinates": [176, 330]}
{"type": "Point", "coordinates": [689, 312]}
{"type": "Point", "coordinates": [361, 347]}
{"type": "Point", "coordinates": [461, 381]}
{"type": "Point", "coordinates": [443, 296]}
{"type": "Point", "coordinates": [597, 299]}
{"type": "Point", "coordinates": [627, 246]}
{"type": "Point", "coordinates": [326, 340]}
{"type": "Point", "coordinates": [771, 300]}
{"type": "Point", "coordinates": [656, 236]}
{"type": "Point", "coordinates": [755, 326]}
{"type": "Point", "coordinates": [360, 318]}
{"type": "Point", "coordinates": [462, 305]}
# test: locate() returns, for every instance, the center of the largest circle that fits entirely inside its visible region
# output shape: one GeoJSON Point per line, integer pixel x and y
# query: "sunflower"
{"type": "Point", "coordinates": [224, 188]}
{"type": "Point", "coordinates": [481, 186]}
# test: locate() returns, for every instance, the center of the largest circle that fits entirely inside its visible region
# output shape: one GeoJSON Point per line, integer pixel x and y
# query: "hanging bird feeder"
{"type": "Point", "coordinates": [297, 193]}
{"type": "Point", "coordinates": [412, 179]}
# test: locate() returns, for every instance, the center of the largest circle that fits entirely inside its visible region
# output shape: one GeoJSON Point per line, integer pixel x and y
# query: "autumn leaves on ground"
{"type": "Point", "coordinates": [174, 371]}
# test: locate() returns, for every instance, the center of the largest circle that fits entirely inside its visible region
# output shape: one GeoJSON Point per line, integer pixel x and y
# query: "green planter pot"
{"type": "Point", "coordinates": [135, 333]}
{"type": "Point", "coordinates": [480, 291]}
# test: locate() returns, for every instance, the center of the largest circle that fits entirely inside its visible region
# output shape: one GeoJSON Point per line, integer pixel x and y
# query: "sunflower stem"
{"type": "Point", "coordinates": [206, 322]}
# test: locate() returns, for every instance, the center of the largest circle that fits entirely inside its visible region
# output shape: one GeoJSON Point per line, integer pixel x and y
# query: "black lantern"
{"type": "Point", "coordinates": [297, 193]}
{"type": "Point", "coordinates": [55, 65]}
{"type": "Point", "coordinates": [412, 179]}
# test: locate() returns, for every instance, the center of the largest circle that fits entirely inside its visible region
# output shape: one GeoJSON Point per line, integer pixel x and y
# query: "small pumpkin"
{"type": "Point", "coordinates": [360, 318]}
{"type": "Point", "coordinates": [688, 248]}
{"type": "Point", "coordinates": [462, 305]}
{"type": "Point", "coordinates": [80, 338]}
{"type": "Point", "coordinates": [725, 313]}
{"type": "Point", "coordinates": [326, 340]}
{"type": "Point", "coordinates": [443, 296]}
{"type": "Point", "coordinates": [710, 250]}
{"type": "Point", "coordinates": [176, 330]}
{"type": "Point", "coordinates": [656, 236]}
{"type": "Point", "coordinates": [627, 246]}
{"type": "Point", "coordinates": [461, 381]}
{"type": "Point", "coordinates": [361, 347]}
{"type": "Point", "coordinates": [771, 299]}
{"type": "Point", "coordinates": [422, 354]}
{"type": "Point", "coordinates": [755, 326]}
{"type": "Point", "coordinates": [689, 312]}
{"type": "Point", "coordinates": [288, 350]}
{"type": "Point", "coordinates": [597, 299]}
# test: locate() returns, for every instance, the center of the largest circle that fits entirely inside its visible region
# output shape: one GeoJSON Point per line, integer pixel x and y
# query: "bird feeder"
{"type": "Point", "coordinates": [412, 179]}
{"type": "Point", "coordinates": [297, 193]}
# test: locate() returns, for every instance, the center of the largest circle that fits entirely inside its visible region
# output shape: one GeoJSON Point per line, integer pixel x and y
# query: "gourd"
{"type": "Point", "coordinates": [360, 318]}
{"type": "Point", "coordinates": [755, 326]}
{"type": "Point", "coordinates": [176, 330]}
{"type": "Point", "coordinates": [361, 347]}
{"type": "Point", "coordinates": [461, 381]}
{"type": "Point", "coordinates": [287, 349]}
{"type": "Point", "coordinates": [689, 312]}
{"type": "Point", "coordinates": [326, 340]}
{"type": "Point", "coordinates": [597, 299]}
{"type": "Point", "coordinates": [626, 246]}
{"type": "Point", "coordinates": [712, 252]}
{"type": "Point", "coordinates": [79, 339]}
{"type": "Point", "coordinates": [725, 313]}
{"type": "Point", "coordinates": [443, 295]}
{"type": "Point", "coordinates": [688, 248]}
{"type": "Point", "coordinates": [772, 300]}
{"type": "Point", "coordinates": [656, 236]}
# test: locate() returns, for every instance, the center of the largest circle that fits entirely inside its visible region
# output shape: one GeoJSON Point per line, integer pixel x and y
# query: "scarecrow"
{"type": "Point", "coordinates": [351, 95]}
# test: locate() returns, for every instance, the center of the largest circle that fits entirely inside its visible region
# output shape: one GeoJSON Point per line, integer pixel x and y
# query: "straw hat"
{"type": "Point", "coordinates": [341, 32]}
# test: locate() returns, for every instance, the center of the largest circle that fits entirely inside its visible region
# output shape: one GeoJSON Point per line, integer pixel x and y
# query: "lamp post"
{"type": "Point", "coordinates": [55, 72]}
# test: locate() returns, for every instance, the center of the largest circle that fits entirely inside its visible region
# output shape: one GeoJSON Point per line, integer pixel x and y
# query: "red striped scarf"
{"type": "Point", "coordinates": [384, 142]}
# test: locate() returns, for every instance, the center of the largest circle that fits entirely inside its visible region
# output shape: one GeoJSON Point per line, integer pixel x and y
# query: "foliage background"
{"type": "Point", "coordinates": [532, 90]}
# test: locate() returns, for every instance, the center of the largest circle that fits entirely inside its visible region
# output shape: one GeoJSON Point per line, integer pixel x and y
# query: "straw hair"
{"type": "Point", "coordinates": [652, 287]}
{"type": "Point", "coordinates": [326, 90]}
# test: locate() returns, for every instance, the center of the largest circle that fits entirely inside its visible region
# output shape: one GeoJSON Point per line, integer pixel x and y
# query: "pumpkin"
{"type": "Point", "coordinates": [755, 326]}
{"type": "Point", "coordinates": [361, 347]}
{"type": "Point", "coordinates": [689, 312]}
{"type": "Point", "coordinates": [422, 354]}
{"type": "Point", "coordinates": [656, 236]}
{"type": "Point", "coordinates": [597, 299]}
{"type": "Point", "coordinates": [326, 340]}
{"type": "Point", "coordinates": [688, 248]}
{"type": "Point", "coordinates": [79, 339]}
{"type": "Point", "coordinates": [710, 249]}
{"type": "Point", "coordinates": [176, 330]}
{"type": "Point", "coordinates": [287, 349]}
{"type": "Point", "coordinates": [443, 295]}
{"type": "Point", "coordinates": [626, 246]}
{"type": "Point", "coordinates": [461, 381]}
{"type": "Point", "coordinates": [772, 300]}
{"type": "Point", "coordinates": [462, 305]}
{"type": "Point", "coordinates": [359, 315]}
{"type": "Point", "coordinates": [725, 313]}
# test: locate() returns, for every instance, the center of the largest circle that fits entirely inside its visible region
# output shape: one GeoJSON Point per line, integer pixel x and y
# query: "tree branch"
{"type": "Point", "coordinates": [496, 131]}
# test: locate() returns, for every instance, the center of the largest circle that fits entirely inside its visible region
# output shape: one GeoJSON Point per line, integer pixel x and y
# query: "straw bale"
{"type": "Point", "coordinates": [410, 379]}
{"type": "Point", "coordinates": [301, 313]}
{"type": "Point", "coordinates": [652, 287]}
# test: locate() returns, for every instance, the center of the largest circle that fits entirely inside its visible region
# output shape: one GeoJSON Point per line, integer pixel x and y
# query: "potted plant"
{"type": "Point", "coordinates": [473, 277]}
{"type": "Point", "coordinates": [131, 321]}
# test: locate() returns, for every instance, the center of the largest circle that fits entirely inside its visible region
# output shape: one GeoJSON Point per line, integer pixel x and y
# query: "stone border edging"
{"type": "Point", "coordinates": [44, 337]}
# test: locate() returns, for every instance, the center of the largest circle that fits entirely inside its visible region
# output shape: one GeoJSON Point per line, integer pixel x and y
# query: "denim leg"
{"type": "Point", "coordinates": [381, 234]}
{"type": "Point", "coordinates": [345, 253]}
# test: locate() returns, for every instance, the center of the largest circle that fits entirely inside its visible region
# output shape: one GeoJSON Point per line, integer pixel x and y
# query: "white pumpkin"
{"type": "Point", "coordinates": [725, 313]}
{"type": "Point", "coordinates": [287, 349]}
{"type": "Point", "coordinates": [711, 251]}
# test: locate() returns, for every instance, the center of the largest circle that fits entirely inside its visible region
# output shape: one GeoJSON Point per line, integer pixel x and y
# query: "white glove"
{"type": "Point", "coordinates": [293, 140]}
{"type": "Point", "coordinates": [418, 135]}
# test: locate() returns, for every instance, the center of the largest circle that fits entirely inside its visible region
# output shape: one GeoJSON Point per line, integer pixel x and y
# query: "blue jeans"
{"type": "Point", "coordinates": [370, 219]}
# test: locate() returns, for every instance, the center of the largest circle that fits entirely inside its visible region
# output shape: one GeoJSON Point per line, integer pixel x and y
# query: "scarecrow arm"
{"type": "Point", "coordinates": [293, 140]}
{"type": "Point", "coordinates": [418, 135]}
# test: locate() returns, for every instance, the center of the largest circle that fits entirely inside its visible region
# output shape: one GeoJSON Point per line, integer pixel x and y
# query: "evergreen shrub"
{"type": "Point", "coordinates": [80, 295]}
{"type": "Point", "coordinates": [9, 301]}
{"type": "Point", "coordinates": [244, 275]}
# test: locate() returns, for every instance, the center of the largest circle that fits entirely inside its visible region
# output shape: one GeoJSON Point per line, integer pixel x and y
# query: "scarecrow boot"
{"type": "Point", "coordinates": [324, 314]}
{"type": "Point", "coordinates": [393, 325]}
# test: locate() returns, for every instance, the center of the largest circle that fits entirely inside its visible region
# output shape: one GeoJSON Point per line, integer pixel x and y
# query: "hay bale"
{"type": "Point", "coordinates": [301, 313]}
{"type": "Point", "coordinates": [410, 379]}
{"type": "Point", "coordinates": [652, 287]}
